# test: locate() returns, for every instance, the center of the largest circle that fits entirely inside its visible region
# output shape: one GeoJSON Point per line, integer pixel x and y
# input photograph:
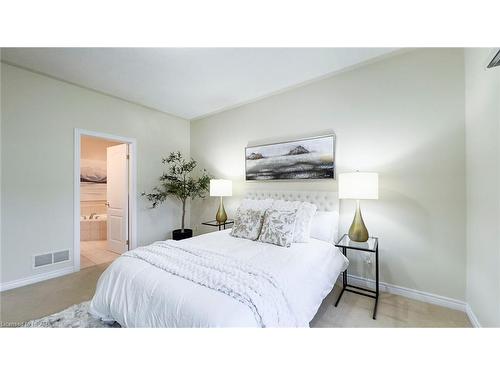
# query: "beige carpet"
{"type": "Point", "coordinates": [393, 311]}
{"type": "Point", "coordinates": [52, 296]}
{"type": "Point", "coordinates": [48, 297]}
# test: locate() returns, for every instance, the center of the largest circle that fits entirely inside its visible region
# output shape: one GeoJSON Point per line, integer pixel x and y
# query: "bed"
{"type": "Point", "coordinates": [136, 290]}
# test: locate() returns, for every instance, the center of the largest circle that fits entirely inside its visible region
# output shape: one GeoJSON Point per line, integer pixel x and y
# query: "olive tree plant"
{"type": "Point", "coordinates": [179, 181]}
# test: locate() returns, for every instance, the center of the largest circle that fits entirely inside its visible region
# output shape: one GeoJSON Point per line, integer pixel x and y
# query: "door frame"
{"type": "Point", "coordinates": [132, 188]}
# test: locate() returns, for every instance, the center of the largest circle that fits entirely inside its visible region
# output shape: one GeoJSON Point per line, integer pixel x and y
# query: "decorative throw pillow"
{"type": "Point", "coordinates": [248, 223]}
{"type": "Point", "coordinates": [278, 227]}
{"type": "Point", "coordinates": [305, 215]}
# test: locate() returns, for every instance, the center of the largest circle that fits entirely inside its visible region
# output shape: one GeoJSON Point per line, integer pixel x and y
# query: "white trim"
{"type": "Point", "coordinates": [472, 317]}
{"type": "Point", "coordinates": [36, 278]}
{"type": "Point", "coordinates": [409, 293]}
{"type": "Point", "coordinates": [132, 190]}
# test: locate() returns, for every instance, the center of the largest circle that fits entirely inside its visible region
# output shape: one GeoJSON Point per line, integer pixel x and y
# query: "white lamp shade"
{"type": "Point", "coordinates": [358, 185]}
{"type": "Point", "coordinates": [221, 188]}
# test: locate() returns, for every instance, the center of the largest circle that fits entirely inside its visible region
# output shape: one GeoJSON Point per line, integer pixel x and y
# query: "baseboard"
{"type": "Point", "coordinates": [35, 278]}
{"type": "Point", "coordinates": [409, 293]}
{"type": "Point", "coordinates": [472, 317]}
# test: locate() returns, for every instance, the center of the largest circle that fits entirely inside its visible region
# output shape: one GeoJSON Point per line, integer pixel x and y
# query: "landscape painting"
{"type": "Point", "coordinates": [93, 178]}
{"type": "Point", "coordinates": [312, 158]}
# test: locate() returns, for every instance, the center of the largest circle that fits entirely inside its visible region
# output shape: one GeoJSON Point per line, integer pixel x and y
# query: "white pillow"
{"type": "Point", "coordinates": [305, 214]}
{"type": "Point", "coordinates": [325, 226]}
{"type": "Point", "coordinates": [282, 205]}
{"type": "Point", "coordinates": [256, 204]}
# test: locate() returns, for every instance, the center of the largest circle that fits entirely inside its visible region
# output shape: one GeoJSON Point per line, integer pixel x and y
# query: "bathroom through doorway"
{"type": "Point", "coordinates": [104, 182]}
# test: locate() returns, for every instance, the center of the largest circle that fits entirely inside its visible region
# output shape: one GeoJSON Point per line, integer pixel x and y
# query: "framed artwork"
{"type": "Point", "coordinates": [93, 178]}
{"type": "Point", "coordinates": [310, 158]}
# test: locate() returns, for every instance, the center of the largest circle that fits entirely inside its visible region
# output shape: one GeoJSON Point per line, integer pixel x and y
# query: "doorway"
{"type": "Point", "coordinates": [104, 211]}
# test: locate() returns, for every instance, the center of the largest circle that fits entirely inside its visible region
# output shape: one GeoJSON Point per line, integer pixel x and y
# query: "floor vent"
{"type": "Point", "coordinates": [42, 260]}
{"type": "Point", "coordinates": [61, 256]}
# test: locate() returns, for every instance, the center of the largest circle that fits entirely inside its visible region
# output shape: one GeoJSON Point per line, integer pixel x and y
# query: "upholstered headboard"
{"type": "Point", "coordinates": [324, 200]}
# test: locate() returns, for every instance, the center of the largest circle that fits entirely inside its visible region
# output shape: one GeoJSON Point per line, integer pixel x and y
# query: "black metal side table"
{"type": "Point", "coordinates": [215, 223]}
{"type": "Point", "coordinates": [370, 246]}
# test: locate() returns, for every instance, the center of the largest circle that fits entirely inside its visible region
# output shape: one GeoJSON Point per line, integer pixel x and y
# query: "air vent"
{"type": "Point", "coordinates": [61, 256]}
{"type": "Point", "coordinates": [42, 260]}
{"type": "Point", "coordinates": [495, 61]}
{"type": "Point", "coordinates": [47, 259]}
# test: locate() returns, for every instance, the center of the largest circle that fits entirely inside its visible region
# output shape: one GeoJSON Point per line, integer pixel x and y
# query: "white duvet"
{"type": "Point", "coordinates": [136, 293]}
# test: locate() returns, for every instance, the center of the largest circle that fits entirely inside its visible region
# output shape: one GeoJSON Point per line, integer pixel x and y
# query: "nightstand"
{"type": "Point", "coordinates": [370, 246]}
{"type": "Point", "coordinates": [215, 223]}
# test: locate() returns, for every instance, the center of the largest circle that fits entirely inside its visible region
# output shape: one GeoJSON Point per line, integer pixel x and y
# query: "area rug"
{"type": "Point", "coordinates": [76, 316]}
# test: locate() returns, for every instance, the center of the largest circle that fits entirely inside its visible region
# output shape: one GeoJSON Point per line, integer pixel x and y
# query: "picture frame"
{"type": "Point", "coordinates": [302, 159]}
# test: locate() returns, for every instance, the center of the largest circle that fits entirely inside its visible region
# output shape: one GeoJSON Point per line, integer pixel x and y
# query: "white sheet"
{"type": "Point", "coordinates": [136, 294]}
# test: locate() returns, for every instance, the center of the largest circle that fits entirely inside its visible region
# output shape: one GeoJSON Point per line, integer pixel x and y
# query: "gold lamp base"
{"type": "Point", "coordinates": [358, 231]}
{"type": "Point", "coordinates": [221, 216]}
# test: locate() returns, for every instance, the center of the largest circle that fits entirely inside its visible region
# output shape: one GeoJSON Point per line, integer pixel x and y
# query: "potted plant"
{"type": "Point", "coordinates": [179, 182]}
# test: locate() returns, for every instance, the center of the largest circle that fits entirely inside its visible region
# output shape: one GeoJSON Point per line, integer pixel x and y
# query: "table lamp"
{"type": "Point", "coordinates": [221, 188]}
{"type": "Point", "coordinates": [358, 185]}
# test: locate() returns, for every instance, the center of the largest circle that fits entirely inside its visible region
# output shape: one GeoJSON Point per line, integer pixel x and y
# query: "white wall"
{"type": "Point", "coordinates": [483, 186]}
{"type": "Point", "coordinates": [402, 117]}
{"type": "Point", "coordinates": [39, 115]}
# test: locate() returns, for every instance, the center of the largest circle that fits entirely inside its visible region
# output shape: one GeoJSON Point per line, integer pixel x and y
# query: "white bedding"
{"type": "Point", "coordinates": [136, 294]}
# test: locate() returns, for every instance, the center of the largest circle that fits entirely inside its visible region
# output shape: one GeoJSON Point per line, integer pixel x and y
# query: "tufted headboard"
{"type": "Point", "coordinates": [324, 200]}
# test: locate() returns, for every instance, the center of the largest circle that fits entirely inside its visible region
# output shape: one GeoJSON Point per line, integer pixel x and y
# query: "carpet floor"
{"type": "Point", "coordinates": [39, 302]}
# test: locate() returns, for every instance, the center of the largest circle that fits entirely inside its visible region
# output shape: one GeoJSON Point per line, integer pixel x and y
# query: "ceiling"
{"type": "Point", "coordinates": [190, 82]}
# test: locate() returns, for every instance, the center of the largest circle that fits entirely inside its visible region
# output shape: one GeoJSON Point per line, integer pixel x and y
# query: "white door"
{"type": "Point", "coordinates": [117, 196]}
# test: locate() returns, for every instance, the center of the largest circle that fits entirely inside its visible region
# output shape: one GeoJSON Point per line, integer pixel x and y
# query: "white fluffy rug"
{"type": "Point", "coordinates": [76, 316]}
